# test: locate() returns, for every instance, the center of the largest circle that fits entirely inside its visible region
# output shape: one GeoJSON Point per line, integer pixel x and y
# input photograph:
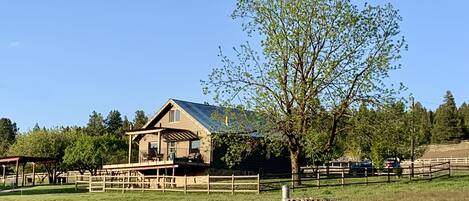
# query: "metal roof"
{"type": "Point", "coordinates": [202, 113]}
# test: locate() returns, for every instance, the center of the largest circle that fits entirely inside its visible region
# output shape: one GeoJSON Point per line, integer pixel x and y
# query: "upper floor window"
{"type": "Point", "coordinates": [174, 115]}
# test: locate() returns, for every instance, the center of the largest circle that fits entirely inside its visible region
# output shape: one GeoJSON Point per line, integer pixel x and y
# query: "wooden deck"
{"type": "Point", "coordinates": [148, 165]}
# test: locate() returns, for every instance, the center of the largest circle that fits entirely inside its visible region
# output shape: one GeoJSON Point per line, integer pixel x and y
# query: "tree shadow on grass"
{"type": "Point", "coordinates": [46, 189]}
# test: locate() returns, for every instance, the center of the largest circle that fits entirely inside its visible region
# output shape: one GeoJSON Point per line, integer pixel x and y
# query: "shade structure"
{"type": "Point", "coordinates": [178, 135]}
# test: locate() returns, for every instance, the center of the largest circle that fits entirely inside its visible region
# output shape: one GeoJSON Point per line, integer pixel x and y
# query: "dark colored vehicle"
{"type": "Point", "coordinates": [361, 167]}
{"type": "Point", "coordinates": [390, 164]}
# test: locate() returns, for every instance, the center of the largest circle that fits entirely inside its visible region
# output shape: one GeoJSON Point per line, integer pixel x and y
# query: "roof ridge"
{"type": "Point", "coordinates": [204, 104]}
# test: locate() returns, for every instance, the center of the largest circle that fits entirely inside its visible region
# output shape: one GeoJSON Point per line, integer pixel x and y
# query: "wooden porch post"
{"type": "Point", "coordinates": [173, 180]}
{"type": "Point", "coordinates": [3, 177]}
{"type": "Point", "coordinates": [16, 169]}
{"type": "Point", "coordinates": [159, 142]}
{"type": "Point", "coordinates": [22, 175]}
{"type": "Point", "coordinates": [34, 174]}
{"type": "Point", "coordinates": [157, 178]}
{"type": "Point", "coordinates": [130, 148]}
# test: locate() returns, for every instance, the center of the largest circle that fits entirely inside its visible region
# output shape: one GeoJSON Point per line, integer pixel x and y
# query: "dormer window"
{"type": "Point", "coordinates": [174, 116]}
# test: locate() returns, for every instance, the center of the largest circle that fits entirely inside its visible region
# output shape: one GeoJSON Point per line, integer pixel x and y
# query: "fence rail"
{"type": "Point", "coordinates": [343, 176]}
{"type": "Point", "coordinates": [439, 160]}
{"type": "Point", "coordinates": [209, 183]}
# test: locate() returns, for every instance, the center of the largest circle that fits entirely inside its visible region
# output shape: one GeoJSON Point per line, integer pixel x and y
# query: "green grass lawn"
{"type": "Point", "coordinates": [454, 188]}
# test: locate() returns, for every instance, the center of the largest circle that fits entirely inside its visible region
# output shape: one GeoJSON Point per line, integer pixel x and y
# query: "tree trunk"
{"type": "Point", "coordinates": [295, 167]}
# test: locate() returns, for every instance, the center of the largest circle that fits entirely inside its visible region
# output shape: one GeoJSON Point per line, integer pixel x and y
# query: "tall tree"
{"type": "Point", "coordinates": [140, 119]}
{"type": "Point", "coordinates": [316, 54]}
{"type": "Point", "coordinates": [114, 123]}
{"type": "Point", "coordinates": [95, 124]}
{"type": "Point", "coordinates": [362, 132]}
{"type": "Point", "coordinates": [8, 131]}
{"type": "Point", "coordinates": [446, 125]}
{"type": "Point", "coordinates": [89, 153]}
{"type": "Point", "coordinates": [463, 112]}
{"type": "Point", "coordinates": [420, 124]}
{"type": "Point", "coordinates": [126, 124]}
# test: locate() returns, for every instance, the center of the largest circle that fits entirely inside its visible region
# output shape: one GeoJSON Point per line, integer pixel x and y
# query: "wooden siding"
{"type": "Point", "coordinates": [187, 123]}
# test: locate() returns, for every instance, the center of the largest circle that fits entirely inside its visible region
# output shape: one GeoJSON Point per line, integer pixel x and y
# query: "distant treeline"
{"type": "Point", "coordinates": [388, 130]}
{"type": "Point", "coordinates": [374, 132]}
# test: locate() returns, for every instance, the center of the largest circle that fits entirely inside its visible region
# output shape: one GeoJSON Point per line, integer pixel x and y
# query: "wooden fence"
{"type": "Point", "coordinates": [364, 176]}
{"type": "Point", "coordinates": [439, 160]}
{"type": "Point", "coordinates": [209, 183]}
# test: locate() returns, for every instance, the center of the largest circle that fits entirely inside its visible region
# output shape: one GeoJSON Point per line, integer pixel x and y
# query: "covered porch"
{"type": "Point", "coordinates": [162, 151]}
{"type": "Point", "coordinates": [166, 144]}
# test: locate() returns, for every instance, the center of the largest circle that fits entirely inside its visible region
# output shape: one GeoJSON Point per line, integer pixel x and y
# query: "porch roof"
{"type": "Point", "coordinates": [170, 134]}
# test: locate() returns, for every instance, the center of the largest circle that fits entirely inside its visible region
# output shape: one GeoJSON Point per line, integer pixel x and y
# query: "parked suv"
{"type": "Point", "coordinates": [359, 168]}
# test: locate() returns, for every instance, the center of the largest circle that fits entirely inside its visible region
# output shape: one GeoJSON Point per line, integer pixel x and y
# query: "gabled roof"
{"type": "Point", "coordinates": [201, 113]}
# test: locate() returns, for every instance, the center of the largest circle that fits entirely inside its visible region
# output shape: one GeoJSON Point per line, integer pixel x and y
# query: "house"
{"type": "Point", "coordinates": [178, 140]}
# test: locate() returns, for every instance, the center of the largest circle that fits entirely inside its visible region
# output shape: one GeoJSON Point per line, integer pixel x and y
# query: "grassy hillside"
{"type": "Point", "coordinates": [447, 150]}
{"type": "Point", "coordinates": [455, 188]}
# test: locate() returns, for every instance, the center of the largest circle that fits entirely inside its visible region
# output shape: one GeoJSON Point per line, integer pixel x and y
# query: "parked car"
{"type": "Point", "coordinates": [360, 167]}
{"type": "Point", "coordinates": [392, 164]}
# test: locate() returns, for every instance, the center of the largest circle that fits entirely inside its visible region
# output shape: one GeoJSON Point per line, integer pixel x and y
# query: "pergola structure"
{"type": "Point", "coordinates": [169, 134]}
{"type": "Point", "coordinates": [16, 161]}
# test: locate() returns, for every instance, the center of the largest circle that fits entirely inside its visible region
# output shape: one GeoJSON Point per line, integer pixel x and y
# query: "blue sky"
{"type": "Point", "coordinates": [60, 60]}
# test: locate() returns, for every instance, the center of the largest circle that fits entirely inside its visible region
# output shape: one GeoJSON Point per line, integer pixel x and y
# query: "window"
{"type": "Point", "coordinates": [174, 115]}
{"type": "Point", "coordinates": [195, 145]}
{"type": "Point", "coordinates": [172, 147]}
{"type": "Point", "coordinates": [152, 149]}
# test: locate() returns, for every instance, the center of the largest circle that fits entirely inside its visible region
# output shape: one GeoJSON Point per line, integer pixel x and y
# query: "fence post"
{"type": "Point", "coordinates": [449, 168]}
{"type": "Point", "coordinates": [164, 182]}
{"type": "Point", "coordinates": [123, 182]}
{"type": "Point", "coordinates": [366, 176]}
{"type": "Point", "coordinates": [411, 173]}
{"type": "Point", "coordinates": [318, 179]}
{"type": "Point", "coordinates": [208, 183]}
{"type": "Point", "coordinates": [143, 183]}
{"type": "Point", "coordinates": [89, 183]}
{"type": "Point", "coordinates": [185, 184]}
{"type": "Point", "coordinates": [343, 175]}
{"type": "Point", "coordinates": [430, 170]}
{"type": "Point", "coordinates": [104, 183]}
{"type": "Point", "coordinates": [76, 184]}
{"type": "Point", "coordinates": [258, 183]}
{"type": "Point", "coordinates": [232, 184]}
{"type": "Point", "coordinates": [285, 193]}
{"type": "Point", "coordinates": [389, 178]}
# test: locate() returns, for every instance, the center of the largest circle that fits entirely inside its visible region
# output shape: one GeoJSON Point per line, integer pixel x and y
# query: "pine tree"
{"type": "Point", "coordinates": [95, 124]}
{"type": "Point", "coordinates": [420, 124]}
{"type": "Point", "coordinates": [463, 113]}
{"type": "Point", "coordinates": [114, 123]}
{"type": "Point", "coordinates": [126, 124]}
{"type": "Point", "coordinates": [8, 131]}
{"type": "Point", "coordinates": [140, 119]}
{"type": "Point", "coordinates": [446, 125]}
